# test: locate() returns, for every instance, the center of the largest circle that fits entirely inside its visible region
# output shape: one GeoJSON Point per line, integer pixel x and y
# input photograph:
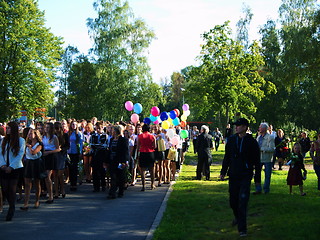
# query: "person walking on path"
{"type": "Point", "coordinates": [146, 146]}
{"type": "Point", "coordinates": [11, 153]}
{"type": "Point", "coordinates": [242, 156]}
{"type": "Point", "coordinates": [119, 161]}
{"type": "Point", "coordinates": [217, 138]}
{"type": "Point", "coordinates": [305, 144]}
{"type": "Point", "coordinates": [194, 136]}
{"type": "Point", "coordinates": [204, 147]}
{"type": "Point", "coordinates": [33, 165]}
{"type": "Point", "coordinates": [74, 151]}
{"type": "Point", "coordinates": [267, 147]}
{"type": "Point", "coordinates": [295, 176]}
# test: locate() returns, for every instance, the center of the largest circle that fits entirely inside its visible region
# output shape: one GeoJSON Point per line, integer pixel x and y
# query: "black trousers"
{"type": "Point", "coordinates": [216, 144]}
{"type": "Point", "coordinates": [239, 190]}
{"type": "Point", "coordinates": [117, 181]}
{"type": "Point", "coordinates": [9, 187]}
{"type": "Point", "coordinates": [73, 169]}
{"type": "Point", "coordinates": [98, 177]}
{"type": "Point", "coordinates": [195, 143]}
{"type": "Point", "coordinates": [203, 167]}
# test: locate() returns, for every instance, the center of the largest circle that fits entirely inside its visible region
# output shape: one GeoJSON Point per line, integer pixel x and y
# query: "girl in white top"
{"type": "Point", "coordinates": [134, 131]}
{"type": "Point", "coordinates": [11, 153]}
{"type": "Point", "coordinates": [51, 146]}
{"type": "Point", "coordinates": [33, 165]}
{"type": "Point", "coordinates": [166, 162]}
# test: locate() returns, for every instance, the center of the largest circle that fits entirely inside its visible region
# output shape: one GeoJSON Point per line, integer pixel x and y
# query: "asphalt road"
{"type": "Point", "coordinates": [88, 216]}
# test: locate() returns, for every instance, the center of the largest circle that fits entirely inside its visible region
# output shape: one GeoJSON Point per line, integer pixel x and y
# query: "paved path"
{"type": "Point", "coordinates": [88, 216]}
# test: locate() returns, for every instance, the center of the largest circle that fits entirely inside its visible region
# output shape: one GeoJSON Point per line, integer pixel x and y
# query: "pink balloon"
{"type": "Point", "coordinates": [155, 111]}
{"type": "Point", "coordinates": [175, 140]}
{"type": "Point", "coordinates": [134, 118]}
{"type": "Point", "coordinates": [128, 105]}
{"type": "Point", "coordinates": [156, 122]}
{"type": "Point", "coordinates": [185, 107]}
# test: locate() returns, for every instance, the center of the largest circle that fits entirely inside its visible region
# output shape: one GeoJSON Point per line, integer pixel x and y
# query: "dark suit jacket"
{"type": "Point", "coordinates": [204, 146]}
{"type": "Point", "coordinates": [122, 152]}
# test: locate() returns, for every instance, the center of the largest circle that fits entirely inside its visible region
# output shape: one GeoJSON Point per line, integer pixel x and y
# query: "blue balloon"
{"type": "Point", "coordinates": [172, 114]}
{"type": "Point", "coordinates": [164, 116]}
{"type": "Point", "coordinates": [153, 118]}
{"type": "Point", "coordinates": [147, 120]}
{"type": "Point", "coordinates": [176, 121]}
{"type": "Point", "coordinates": [137, 108]}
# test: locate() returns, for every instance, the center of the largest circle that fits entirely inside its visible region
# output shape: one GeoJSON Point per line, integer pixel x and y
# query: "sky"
{"type": "Point", "coordinates": [178, 25]}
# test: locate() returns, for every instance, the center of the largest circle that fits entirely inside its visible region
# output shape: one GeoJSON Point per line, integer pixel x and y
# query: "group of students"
{"type": "Point", "coordinates": [48, 155]}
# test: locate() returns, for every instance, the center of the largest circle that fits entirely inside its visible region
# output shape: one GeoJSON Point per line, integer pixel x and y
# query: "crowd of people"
{"type": "Point", "coordinates": [245, 156]}
{"type": "Point", "coordinates": [54, 155]}
{"type": "Point", "coordinates": [57, 154]}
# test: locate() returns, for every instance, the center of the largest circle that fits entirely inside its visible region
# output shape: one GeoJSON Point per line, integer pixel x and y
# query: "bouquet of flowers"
{"type": "Point", "coordinates": [294, 158]}
{"type": "Point", "coordinates": [86, 148]}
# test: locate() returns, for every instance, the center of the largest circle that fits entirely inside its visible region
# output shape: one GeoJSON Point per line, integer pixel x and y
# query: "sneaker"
{"type": "Point", "coordinates": [242, 234]}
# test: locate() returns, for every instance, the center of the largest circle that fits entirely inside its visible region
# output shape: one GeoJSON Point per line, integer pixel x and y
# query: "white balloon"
{"type": "Point", "coordinates": [170, 133]}
{"type": "Point", "coordinates": [187, 113]}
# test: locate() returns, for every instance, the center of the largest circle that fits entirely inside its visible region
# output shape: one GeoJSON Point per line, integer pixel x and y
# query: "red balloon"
{"type": "Point", "coordinates": [183, 124]}
{"type": "Point", "coordinates": [177, 112]}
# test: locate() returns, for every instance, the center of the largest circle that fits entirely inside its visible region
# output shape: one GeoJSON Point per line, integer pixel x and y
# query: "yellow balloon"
{"type": "Point", "coordinates": [165, 124]}
{"type": "Point", "coordinates": [170, 121]}
{"type": "Point", "coordinates": [183, 117]}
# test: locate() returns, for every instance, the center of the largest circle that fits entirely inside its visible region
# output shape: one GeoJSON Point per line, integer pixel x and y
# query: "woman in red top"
{"type": "Point", "coordinates": [146, 146]}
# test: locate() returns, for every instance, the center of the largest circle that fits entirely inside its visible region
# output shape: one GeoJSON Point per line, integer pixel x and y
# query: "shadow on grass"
{"type": "Point", "coordinates": [199, 209]}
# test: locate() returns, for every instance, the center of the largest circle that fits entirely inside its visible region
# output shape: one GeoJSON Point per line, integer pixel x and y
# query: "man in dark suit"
{"type": "Point", "coordinates": [242, 156]}
{"type": "Point", "coordinates": [204, 147]}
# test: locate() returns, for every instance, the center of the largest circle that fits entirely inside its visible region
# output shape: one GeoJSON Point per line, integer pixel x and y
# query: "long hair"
{"type": "Point", "coordinates": [51, 130]}
{"type": "Point", "coordinates": [25, 132]}
{"type": "Point", "coordinates": [13, 138]}
{"type": "Point", "coordinates": [59, 132]}
{"type": "Point", "coordinates": [38, 136]}
{"type": "Point", "coordinates": [71, 130]}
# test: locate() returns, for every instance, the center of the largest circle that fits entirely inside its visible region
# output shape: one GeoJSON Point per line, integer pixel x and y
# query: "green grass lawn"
{"type": "Point", "coordinates": [200, 209]}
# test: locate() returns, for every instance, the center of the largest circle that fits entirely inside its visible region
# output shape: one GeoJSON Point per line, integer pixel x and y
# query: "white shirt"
{"type": "Point", "coordinates": [31, 156]}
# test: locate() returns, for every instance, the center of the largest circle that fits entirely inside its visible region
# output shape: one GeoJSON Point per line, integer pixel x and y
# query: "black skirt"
{"type": "Point", "coordinates": [50, 161]}
{"type": "Point", "coordinates": [159, 155]}
{"type": "Point", "coordinates": [146, 159]}
{"type": "Point", "coordinates": [32, 168]}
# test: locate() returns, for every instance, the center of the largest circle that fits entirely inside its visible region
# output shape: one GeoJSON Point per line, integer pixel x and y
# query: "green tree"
{"type": "Point", "coordinates": [292, 55]}
{"type": "Point", "coordinates": [243, 27]}
{"type": "Point", "coordinates": [82, 90]}
{"type": "Point", "coordinates": [29, 55]}
{"type": "Point", "coordinates": [69, 57]}
{"type": "Point", "coordinates": [228, 81]}
{"type": "Point", "coordinates": [120, 43]}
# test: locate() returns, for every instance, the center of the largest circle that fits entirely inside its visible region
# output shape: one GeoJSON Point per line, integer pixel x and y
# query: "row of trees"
{"type": "Point", "coordinates": [274, 78]}
{"type": "Point", "coordinates": [29, 55]}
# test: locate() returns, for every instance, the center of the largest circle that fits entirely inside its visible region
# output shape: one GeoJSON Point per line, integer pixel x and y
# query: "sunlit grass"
{"type": "Point", "coordinates": [200, 209]}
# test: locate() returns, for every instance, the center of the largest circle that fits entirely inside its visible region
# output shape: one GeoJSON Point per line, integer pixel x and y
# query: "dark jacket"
{"type": "Point", "coordinates": [305, 144]}
{"type": "Point", "coordinates": [121, 152]}
{"type": "Point", "coordinates": [204, 145]}
{"type": "Point", "coordinates": [242, 155]}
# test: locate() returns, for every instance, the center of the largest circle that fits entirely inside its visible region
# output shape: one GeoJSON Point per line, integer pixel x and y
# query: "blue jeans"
{"type": "Point", "coordinates": [267, 177]}
{"type": "Point", "coordinates": [317, 170]}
